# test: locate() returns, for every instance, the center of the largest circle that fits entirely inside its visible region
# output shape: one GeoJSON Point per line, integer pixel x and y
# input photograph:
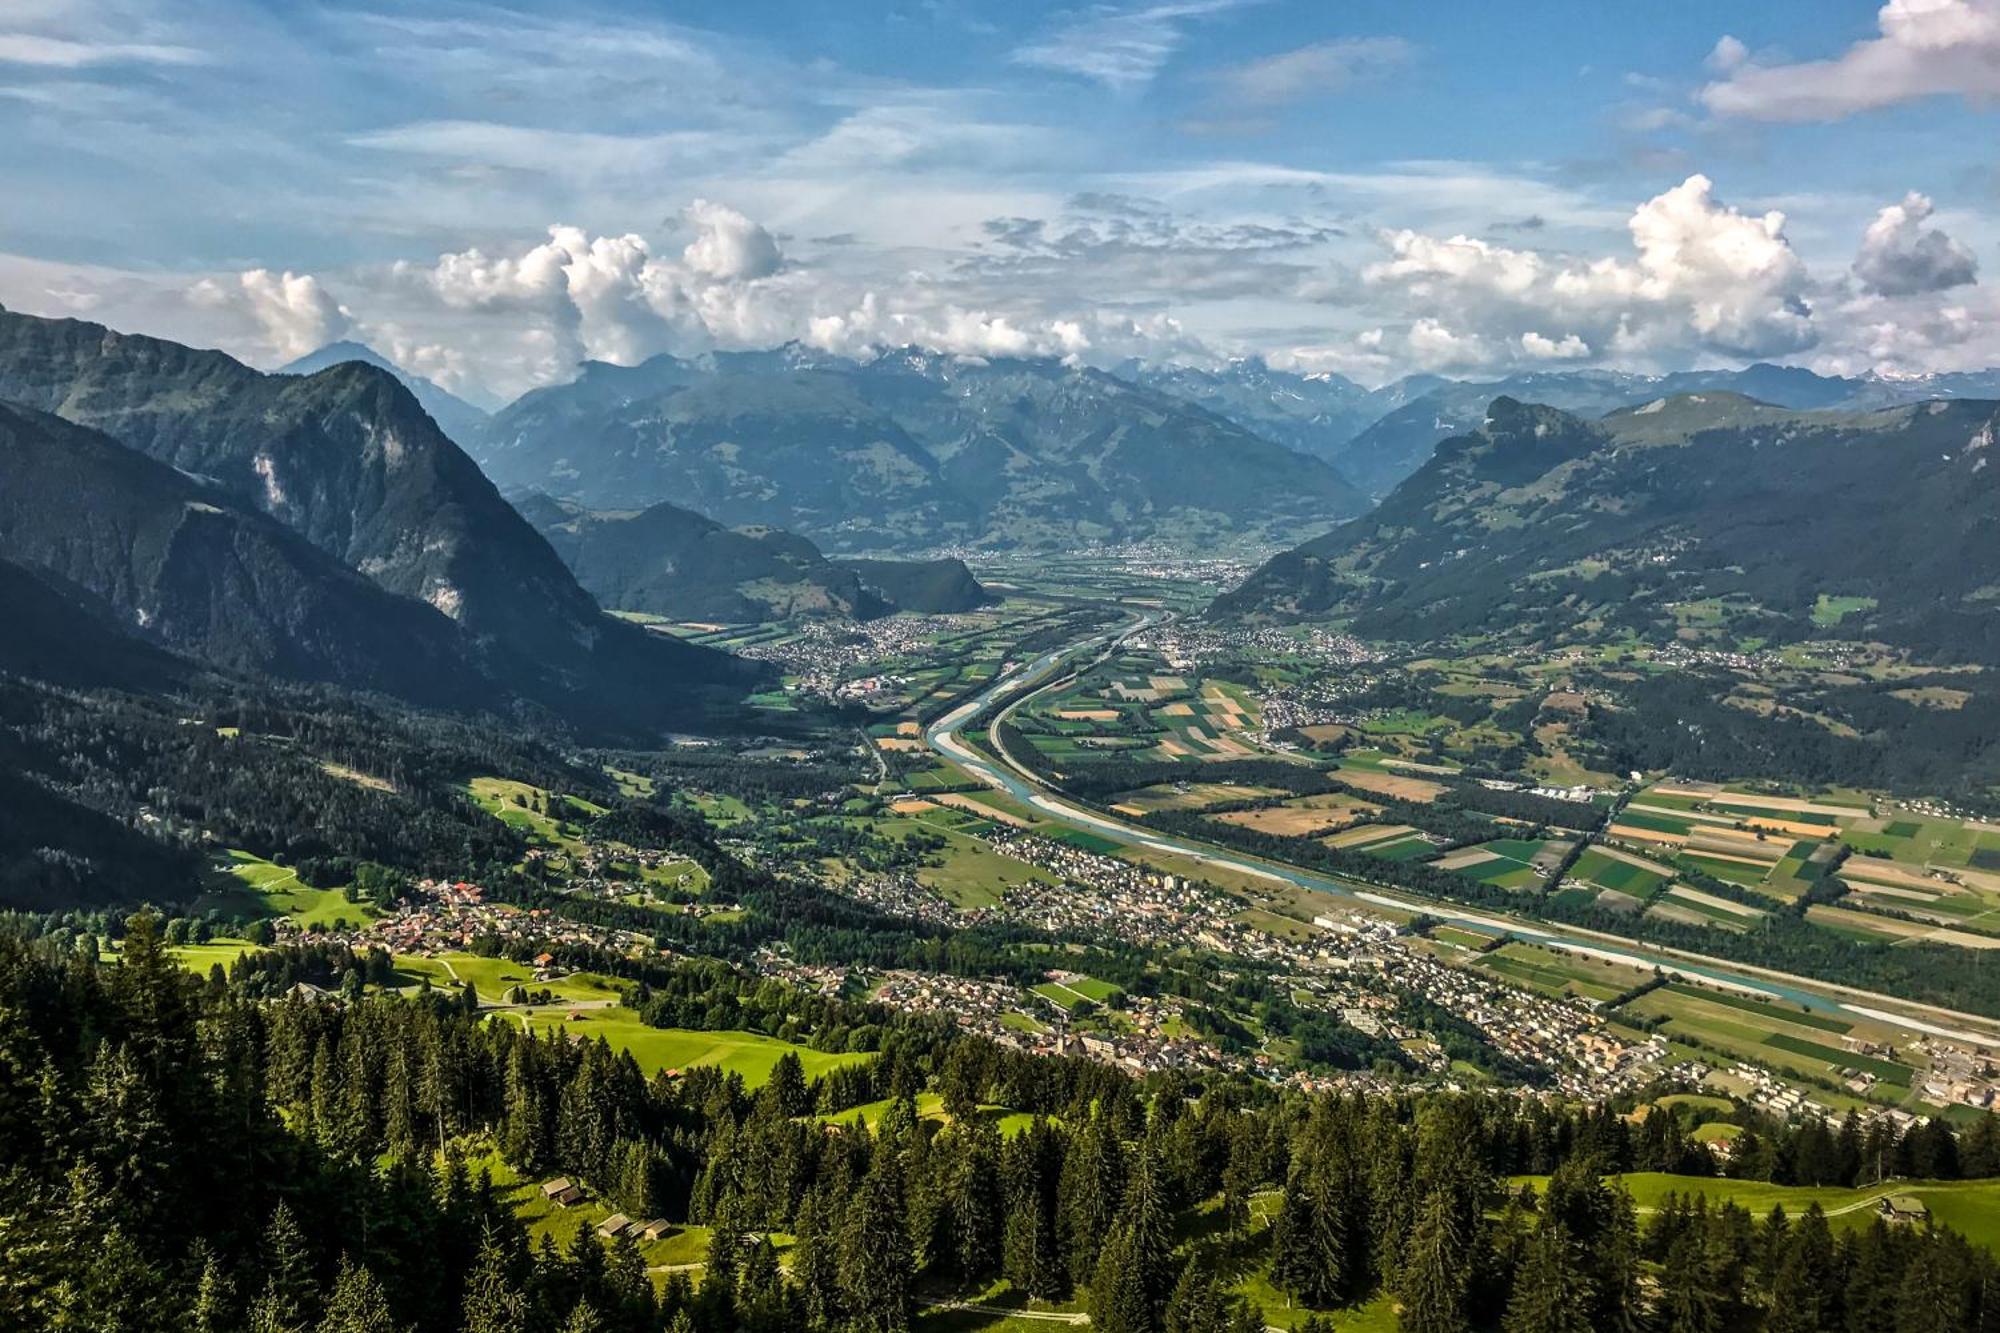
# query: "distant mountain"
{"type": "Point", "coordinates": [672, 562]}
{"type": "Point", "coordinates": [908, 450]}
{"type": "Point", "coordinates": [1314, 414]}
{"type": "Point", "coordinates": [1399, 442]}
{"type": "Point", "coordinates": [1539, 520]}
{"type": "Point", "coordinates": [346, 459]}
{"type": "Point", "coordinates": [458, 418]}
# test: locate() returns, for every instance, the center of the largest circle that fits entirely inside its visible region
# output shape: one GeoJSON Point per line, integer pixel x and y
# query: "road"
{"type": "Point", "coordinates": [1051, 669]}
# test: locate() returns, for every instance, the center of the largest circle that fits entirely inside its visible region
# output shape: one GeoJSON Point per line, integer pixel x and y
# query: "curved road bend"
{"type": "Point", "coordinates": [1044, 673]}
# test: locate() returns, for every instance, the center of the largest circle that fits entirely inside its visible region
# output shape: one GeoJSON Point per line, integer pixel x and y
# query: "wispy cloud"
{"type": "Point", "coordinates": [1315, 70]}
{"type": "Point", "coordinates": [26, 48]}
{"type": "Point", "coordinates": [1120, 48]}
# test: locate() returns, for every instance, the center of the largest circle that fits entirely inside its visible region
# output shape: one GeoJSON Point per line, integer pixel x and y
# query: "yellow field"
{"type": "Point", "coordinates": [1391, 784]}
{"type": "Point", "coordinates": [1283, 820]}
{"type": "Point", "coordinates": [960, 801]}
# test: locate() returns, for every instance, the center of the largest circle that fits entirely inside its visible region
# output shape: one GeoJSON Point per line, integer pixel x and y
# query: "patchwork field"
{"type": "Point", "coordinates": [1511, 863]}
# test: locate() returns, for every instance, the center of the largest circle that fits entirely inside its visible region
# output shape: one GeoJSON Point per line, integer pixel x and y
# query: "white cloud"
{"type": "Point", "coordinates": [1119, 48]}
{"type": "Point", "coordinates": [293, 313]}
{"type": "Point", "coordinates": [1899, 256]}
{"type": "Point", "coordinates": [1322, 67]}
{"type": "Point", "coordinates": [25, 48]}
{"type": "Point", "coordinates": [729, 246]}
{"type": "Point", "coordinates": [1433, 346]}
{"type": "Point", "coordinates": [1569, 347]}
{"type": "Point", "coordinates": [1927, 48]}
{"type": "Point", "coordinates": [1703, 278]}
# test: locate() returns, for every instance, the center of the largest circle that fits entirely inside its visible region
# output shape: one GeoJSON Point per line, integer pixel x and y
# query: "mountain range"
{"type": "Point", "coordinates": [319, 527]}
{"type": "Point", "coordinates": [1542, 520]}
{"type": "Point", "coordinates": [1375, 438]}
{"type": "Point", "coordinates": [909, 450]}
{"type": "Point", "coordinates": [672, 562]}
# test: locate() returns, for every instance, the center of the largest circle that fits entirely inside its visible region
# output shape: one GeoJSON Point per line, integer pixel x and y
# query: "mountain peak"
{"type": "Point", "coordinates": [460, 419]}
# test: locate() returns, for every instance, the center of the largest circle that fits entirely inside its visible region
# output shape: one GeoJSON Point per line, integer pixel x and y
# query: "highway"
{"type": "Point", "coordinates": [1053, 668]}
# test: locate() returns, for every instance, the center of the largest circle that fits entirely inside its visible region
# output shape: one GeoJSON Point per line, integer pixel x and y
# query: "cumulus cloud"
{"type": "Point", "coordinates": [294, 314]}
{"type": "Point", "coordinates": [1927, 48]}
{"type": "Point", "coordinates": [1899, 256]}
{"type": "Point", "coordinates": [1322, 67]}
{"type": "Point", "coordinates": [1703, 278]}
{"type": "Point", "coordinates": [1569, 347]}
{"type": "Point", "coordinates": [612, 298]}
{"type": "Point", "coordinates": [728, 246]}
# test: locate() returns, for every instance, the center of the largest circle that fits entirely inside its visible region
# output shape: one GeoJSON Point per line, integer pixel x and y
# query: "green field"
{"type": "Point", "coordinates": [1829, 610]}
{"type": "Point", "coordinates": [250, 886]}
{"type": "Point", "coordinates": [1970, 1207]}
{"type": "Point", "coordinates": [1609, 872]}
{"type": "Point", "coordinates": [1078, 991]}
{"type": "Point", "coordinates": [527, 808]}
{"type": "Point", "coordinates": [1774, 1009]}
{"type": "Point", "coordinates": [494, 977]}
{"type": "Point", "coordinates": [750, 1054]}
{"type": "Point", "coordinates": [1887, 1071]}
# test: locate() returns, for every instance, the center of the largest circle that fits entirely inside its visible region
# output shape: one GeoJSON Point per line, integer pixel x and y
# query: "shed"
{"type": "Point", "coordinates": [1905, 1208]}
{"type": "Point", "coordinates": [613, 1225]}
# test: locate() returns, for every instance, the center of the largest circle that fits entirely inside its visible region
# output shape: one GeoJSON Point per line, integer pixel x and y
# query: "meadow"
{"type": "Point", "coordinates": [750, 1054]}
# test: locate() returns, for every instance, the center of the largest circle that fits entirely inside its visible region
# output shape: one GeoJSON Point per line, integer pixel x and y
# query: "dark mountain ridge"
{"type": "Point", "coordinates": [172, 559]}
{"type": "Point", "coordinates": [672, 562]}
{"type": "Point", "coordinates": [348, 460]}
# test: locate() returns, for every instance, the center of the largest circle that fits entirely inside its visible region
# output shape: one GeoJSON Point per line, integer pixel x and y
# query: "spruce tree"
{"type": "Point", "coordinates": [1551, 1292]}
{"type": "Point", "coordinates": [875, 1272]}
{"type": "Point", "coordinates": [493, 1304]}
{"type": "Point", "coordinates": [357, 1303]}
{"type": "Point", "coordinates": [1436, 1272]}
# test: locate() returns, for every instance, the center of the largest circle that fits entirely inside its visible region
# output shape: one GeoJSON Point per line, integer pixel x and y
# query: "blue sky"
{"type": "Point", "coordinates": [491, 193]}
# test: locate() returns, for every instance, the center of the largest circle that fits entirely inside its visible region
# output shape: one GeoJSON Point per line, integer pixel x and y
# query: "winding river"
{"type": "Point", "coordinates": [1024, 682]}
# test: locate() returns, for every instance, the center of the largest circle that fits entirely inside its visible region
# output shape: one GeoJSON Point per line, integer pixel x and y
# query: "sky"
{"type": "Point", "coordinates": [491, 194]}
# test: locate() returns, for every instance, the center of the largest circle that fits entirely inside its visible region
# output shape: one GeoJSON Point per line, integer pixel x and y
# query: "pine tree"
{"type": "Point", "coordinates": [876, 1272]}
{"type": "Point", "coordinates": [214, 1309]}
{"type": "Point", "coordinates": [583, 1319]}
{"type": "Point", "coordinates": [816, 1264]}
{"type": "Point", "coordinates": [357, 1304]}
{"type": "Point", "coordinates": [1436, 1272]}
{"type": "Point", "coordinates": [1088, 1196]}
{"type": "Point", "coordinates": [493, 1304]}
{"type": "Point", "coordinates": [289, 1295]}
{"type": "Point", "coordinates": [1118, 1299]}
{"type": "Point", "coordinates": [1689, 1302]}
{"type": "Point", "coordinates": [1551, 1291]}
